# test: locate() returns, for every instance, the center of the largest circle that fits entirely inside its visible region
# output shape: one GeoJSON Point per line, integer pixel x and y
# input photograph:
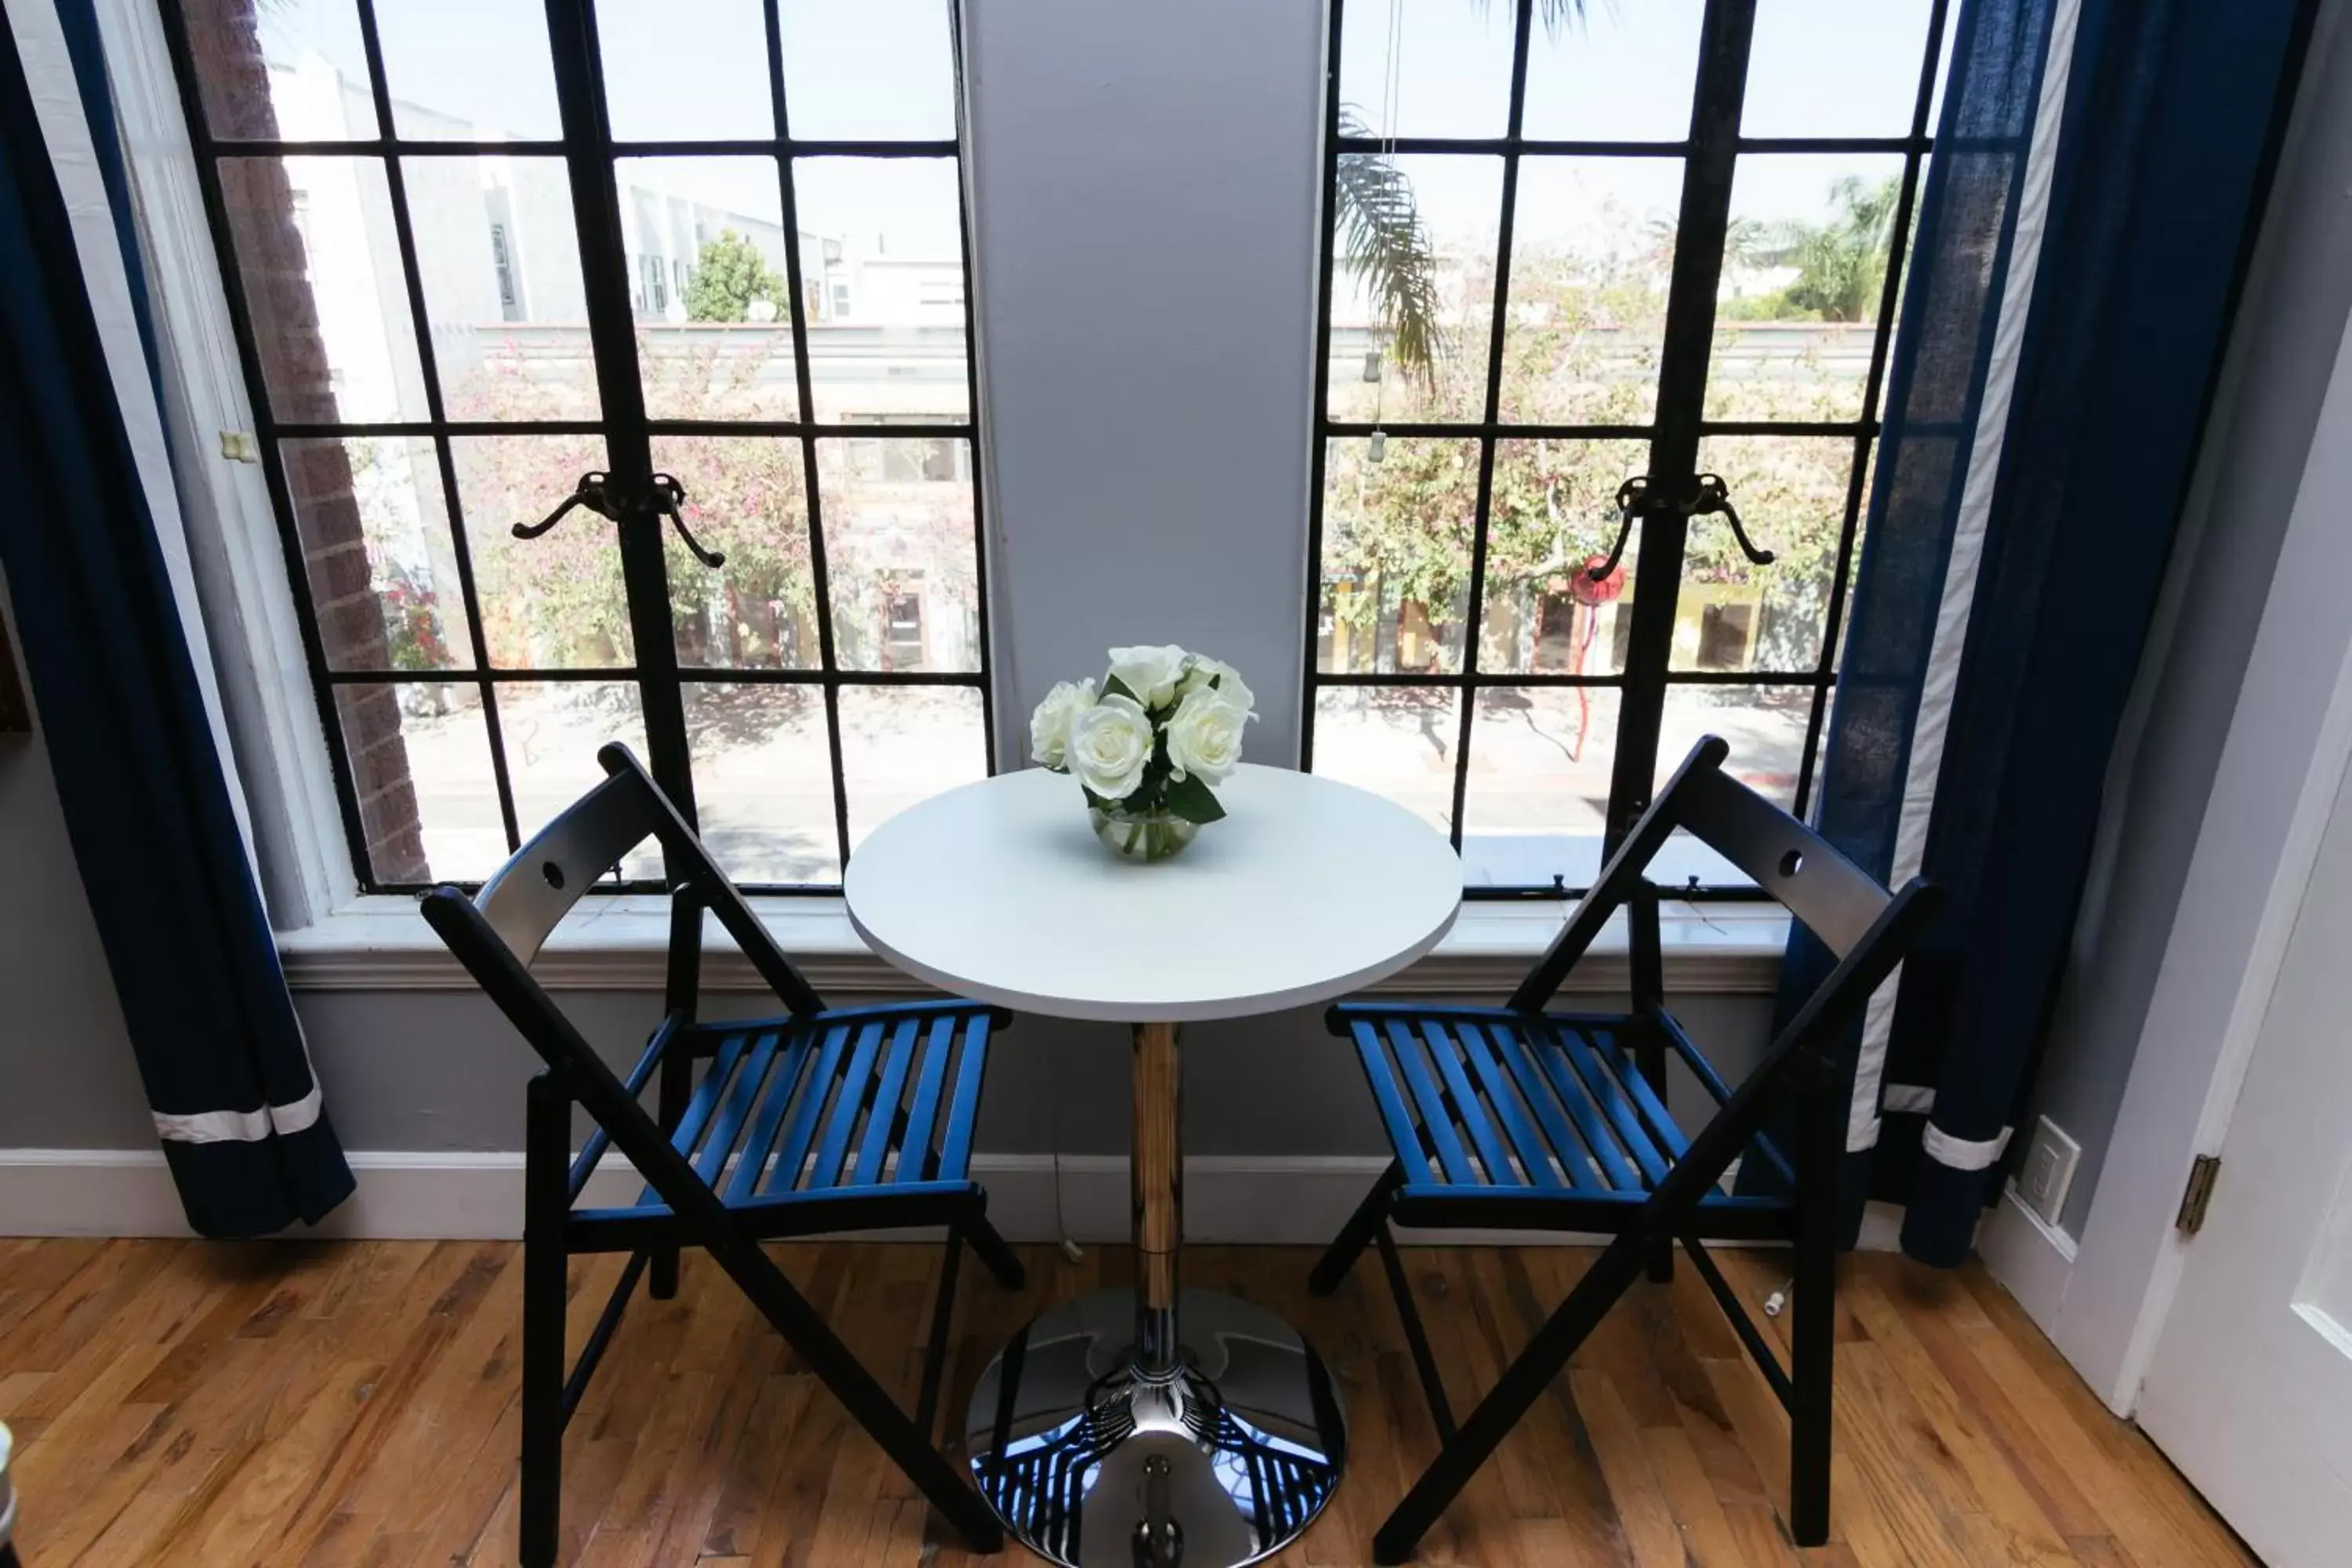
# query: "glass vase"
{"type": "Point", "coordinates": [1142, 836]}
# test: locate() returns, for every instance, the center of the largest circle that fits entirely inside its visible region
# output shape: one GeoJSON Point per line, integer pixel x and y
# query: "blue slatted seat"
{"type": "Point", "coordinates": [819, 1121]}
{"type": "Point", "coordinates": [1523, 1119]}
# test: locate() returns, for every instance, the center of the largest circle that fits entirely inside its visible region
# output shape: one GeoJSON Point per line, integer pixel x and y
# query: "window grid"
{"type": "Point", "coordinates": [1722, 63]}
{"type": "Point", "coordinates": [593, 158]}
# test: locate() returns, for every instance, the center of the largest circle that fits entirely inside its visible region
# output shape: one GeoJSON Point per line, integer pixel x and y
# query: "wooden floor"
{"type": "Point", "coordinates": [354, 1405]}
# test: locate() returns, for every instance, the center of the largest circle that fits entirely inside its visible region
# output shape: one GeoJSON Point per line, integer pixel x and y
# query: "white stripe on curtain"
{"type": "Point", "coordinates": [240, 1126]}
{"type": "Point", "coordinates": [1961, 1154]}
{"type": "Point", "coordinates": [1967, 550]}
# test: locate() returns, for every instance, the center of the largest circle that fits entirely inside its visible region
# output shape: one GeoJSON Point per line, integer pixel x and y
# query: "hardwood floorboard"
{"type": "Point", "coordinates": [353, 1405]}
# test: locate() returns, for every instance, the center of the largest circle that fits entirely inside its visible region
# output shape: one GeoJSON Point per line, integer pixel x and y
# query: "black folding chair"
{"type": "Point", "coordinates": [818, 1122]}
{"type": "Point", "coordinates": [1517, 1117]}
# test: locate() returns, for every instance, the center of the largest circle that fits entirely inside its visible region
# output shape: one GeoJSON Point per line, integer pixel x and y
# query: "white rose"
{"type": "Point", "coordinates": [1049, 726]}
{"type": "Point", "coordinates": [1204, 736]}
{"type": "Point", "coordinates": [1151, 673]}
{"type": "Point", "coordinates": [1109, 744]}
{"type": "Point", "coordinates": [1229, 683]}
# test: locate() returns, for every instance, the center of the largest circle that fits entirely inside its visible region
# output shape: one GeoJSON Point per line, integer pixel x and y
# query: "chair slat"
{"type": "Point", "coordinates": [1519, 1053]}
{"type": "Point", "coordinates": [915, 1148]}
{"type": "Point", "coordinates": [1622, 1119]}
{"type": "Point", "coordinates": [742, 1095]}
{"type": "Point", "coordinates": [1535, 1159]}
{"type": "Point", "coordinates": [1434, 1117]}
{"type": "Point", "coordinates": [1472, 1109]}
{"type": "Point", "coordinates": [880, 1121]}
{"type": "Point", "coordinates": [843, 1119]}
{"type": "Point", "coordinates": [1619, 1058]}
{"type": "Point", "coordinates": [1389, 1098]}
{"type": "Point", "coordinates": [955, 1154]}
{"type": "Point", "coordinates": [782, 1091]}
{"type": "Point", "coordinates": [715, 1079]}
{"type": "Point", "coordinates": [1577, 1101]}
{"type": "Point", "coordinates": [794, 1152]}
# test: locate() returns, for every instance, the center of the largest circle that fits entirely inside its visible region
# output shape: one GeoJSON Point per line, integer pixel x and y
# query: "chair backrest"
{"type": "Point", "coordinates": [1834, 898]}
{"type": "Point", "coordinates": [499, 933]}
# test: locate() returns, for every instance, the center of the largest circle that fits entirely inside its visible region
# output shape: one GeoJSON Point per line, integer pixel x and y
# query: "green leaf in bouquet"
{"type": "Point", "coordinates": [1113, 686]}
{"type": "Point", "coordinates": [1191, 799]}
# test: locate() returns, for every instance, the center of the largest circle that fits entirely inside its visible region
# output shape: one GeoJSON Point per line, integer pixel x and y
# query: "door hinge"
{"type": "Point", "coordinates": [2198, 1194]}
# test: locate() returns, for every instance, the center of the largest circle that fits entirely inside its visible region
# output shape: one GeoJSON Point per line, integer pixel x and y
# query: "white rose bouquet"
{"type": "Point", "coordinates": [1147, 742]}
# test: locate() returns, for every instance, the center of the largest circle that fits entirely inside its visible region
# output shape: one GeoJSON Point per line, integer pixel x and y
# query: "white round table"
{"type": "Point", "coordinates": [1154, 1424]}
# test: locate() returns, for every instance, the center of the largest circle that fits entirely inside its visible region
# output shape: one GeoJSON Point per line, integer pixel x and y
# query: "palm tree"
{"type": "Point", "coordinates": [1842, 264]}
{"type": "Point", "coordinates": [1385, 242]}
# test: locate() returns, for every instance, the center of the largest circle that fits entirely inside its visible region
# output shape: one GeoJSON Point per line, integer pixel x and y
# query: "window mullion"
{"type": "Point", "coordinates": [612, 332]}
{"type": "Point", "coordinates": [1700, 231]}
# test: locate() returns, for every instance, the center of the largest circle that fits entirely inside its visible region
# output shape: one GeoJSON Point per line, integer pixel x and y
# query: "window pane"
{"type": "Point", "coordinates": [1538, 799]}
{"type": "Point", "coordinates": [878, 70]}
{"type": "Point", "coordinates": [322, 281]}
{"type": "Point", "coordinates": [552, 730]}
{"type": "Point", "coordinates": [1614, 72]}
{"type": "Point", "coordinates": [899, 552]}
{"type": "Point", "coordinates": [882, 266]}
{"type": "Point", "coordinates": [707, 267]}
{"type": "Point", "coordinates": [552, 602]}
{"type": "Point", "coordinates": [1733, 615]}
{"type": "Point", "coordinates": [1395, 741]}
{"type": "Point", "coordinates": [902, 744]}
{"type": "Point", "coordinates": [1834, 67]}
{"type": "Point", "coordinates": [376, 549]}
{"type": "Point", "coordinates": [420, 760]}
{"type": "Point", "coordinates": [307, 81]}
{"type": "Point", "coordinates": [686, 70]}
{"type": "Point", "coordinates": [746, 498]}
{"type": "Point", "coordinates": [1396, 554]}
{"type": "Point", "coordinates": [763, 780]}
{"type": "Point", "coordinates": [1591, 249]}
{"type": "Point", "coordinates": [479, 74]}
{"type": "Point", "coordinates": [1451, 74]}
{"type": "Point", "coordinates": [1553, 517]}
{"type": "Point", "coordinates": [1765, 728]}
{"type": "Point", "coordinates": [1810, 240]}
{"type": "Point", "coordinates": [499, 259]}
{"type": "Point", "coordinates": [1413, 286]}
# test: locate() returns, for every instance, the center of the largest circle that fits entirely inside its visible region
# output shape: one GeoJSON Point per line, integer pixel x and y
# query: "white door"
{"type": "Point", "coordinates": [2250, 1391]}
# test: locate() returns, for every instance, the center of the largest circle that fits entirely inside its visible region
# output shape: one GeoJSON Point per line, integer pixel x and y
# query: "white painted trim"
{"type": "Point", "coordinates": [1292, 1201]}
{"type": "Point", "coordinates": [2033, 1259]}
{"type": "Point", "coordinates": [381, 943]}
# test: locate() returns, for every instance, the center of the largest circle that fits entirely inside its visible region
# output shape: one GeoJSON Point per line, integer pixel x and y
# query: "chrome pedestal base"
{"type": "Point", "coordinates": [1093, 1464]}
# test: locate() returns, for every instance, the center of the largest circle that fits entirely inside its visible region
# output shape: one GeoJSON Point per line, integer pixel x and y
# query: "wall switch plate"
{"type": "Point", "coordinates": [2048, 1170]}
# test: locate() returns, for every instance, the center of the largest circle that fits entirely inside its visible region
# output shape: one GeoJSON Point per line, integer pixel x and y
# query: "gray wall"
{"type": "Point", "coordinates": [2281, 351]}
{"type": "Point", "coordinates": [67, 1079]}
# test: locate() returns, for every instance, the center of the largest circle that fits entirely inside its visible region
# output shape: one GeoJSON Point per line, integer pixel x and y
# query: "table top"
{"type": "Point", "coordinates": [1307, 891]}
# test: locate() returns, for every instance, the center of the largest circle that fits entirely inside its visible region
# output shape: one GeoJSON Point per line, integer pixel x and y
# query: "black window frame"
{"type": "Point", "coordinates": [1709, 153]}
{"type": "Point", "coordinates": [611, 278]}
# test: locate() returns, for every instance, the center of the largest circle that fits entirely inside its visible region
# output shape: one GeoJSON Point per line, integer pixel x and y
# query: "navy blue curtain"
{"type": "Point", "coordinates": [2171, 119]}
{"type": "Point", "coordinates": [146, 805]}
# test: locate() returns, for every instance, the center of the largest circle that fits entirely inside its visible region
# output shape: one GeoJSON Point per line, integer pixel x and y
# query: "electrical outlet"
{"type": "Point", "coordinates": [2048, 1170]}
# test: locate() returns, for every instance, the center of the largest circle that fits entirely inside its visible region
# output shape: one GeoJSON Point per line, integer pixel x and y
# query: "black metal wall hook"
{"type": "Point", "coordinates": [594, 491]}
{"type": "Point", "coordinates": [1715, 497]}
{"type": "Point", "coordinates": [1710, 497]}
{"type": "Point", "coordinates": [597, 491]}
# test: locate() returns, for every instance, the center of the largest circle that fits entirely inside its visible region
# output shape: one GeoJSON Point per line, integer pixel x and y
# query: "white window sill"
{"type": "Point", "coordinates": [381, 943]}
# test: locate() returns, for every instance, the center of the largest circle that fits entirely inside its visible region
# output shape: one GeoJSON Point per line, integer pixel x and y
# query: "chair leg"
{"type": "Point", "coordinates": [546, 1197]}
{"type": "Point", "coordinates": [677, 1088]}
{"type": "Point", "coordinates": [1813, 1330]}
{"type": "Point", "coordinates": [1416, 1337]}
{"type": "Point", "coordinates": [1356, 1234]}
{"type": "Point", "coordinates": [1521, 1385]}
{"type": "Point", "coordinates": [935, 1353]}
{"type": "Point", "coordinates": [993, 1252]}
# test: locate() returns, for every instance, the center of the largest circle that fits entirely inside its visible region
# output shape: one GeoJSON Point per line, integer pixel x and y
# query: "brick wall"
{"type": "Point", "coordinates": [226, 42]}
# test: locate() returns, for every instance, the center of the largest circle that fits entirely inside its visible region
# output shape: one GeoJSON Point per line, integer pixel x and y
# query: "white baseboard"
{"type": "Point", "coordinates": [2033, 1259]}
{"type": "Point", "coordinates": [1247, 1199]}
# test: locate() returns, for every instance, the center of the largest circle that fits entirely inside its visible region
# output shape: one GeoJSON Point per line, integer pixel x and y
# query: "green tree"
{"type": "Point", "coordinates": [728, 275]}
{"type": "Point", "coordinates": [1842, 264]}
